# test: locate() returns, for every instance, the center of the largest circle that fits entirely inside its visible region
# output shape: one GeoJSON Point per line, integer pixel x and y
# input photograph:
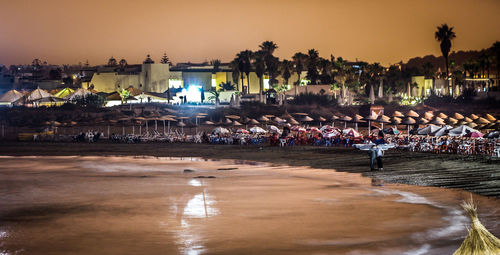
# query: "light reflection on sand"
{"type": "Point", "coordinates": [149, 205]}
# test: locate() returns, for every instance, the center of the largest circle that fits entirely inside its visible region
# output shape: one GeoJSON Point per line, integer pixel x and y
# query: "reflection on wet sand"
{"type": "Point", "coordinates": [147, 205]}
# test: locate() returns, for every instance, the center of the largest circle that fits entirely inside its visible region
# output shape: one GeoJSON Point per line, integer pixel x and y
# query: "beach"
{"type": "Point", "coordinates": [480, 175]}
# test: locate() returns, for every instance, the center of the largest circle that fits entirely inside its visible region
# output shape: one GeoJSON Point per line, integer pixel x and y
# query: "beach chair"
{"type": "Point", "coordinates": [282, 142]}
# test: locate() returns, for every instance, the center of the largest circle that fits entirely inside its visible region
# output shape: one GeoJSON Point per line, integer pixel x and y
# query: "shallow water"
{"type": "Point", "coordinates": [126, 205]}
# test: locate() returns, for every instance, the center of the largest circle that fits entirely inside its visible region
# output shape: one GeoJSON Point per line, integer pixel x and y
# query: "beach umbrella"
{"type": "Point", "coordinates": [274, 129]}
{"type": "Point", "coordinates": [479, 240]}
{"type": "Point", "coordinates": [300, 114]}
{"type": "Point", "coordinates": [357, 119]}
{"type": "Point", "coordinates": [423, 121]}
{"type": "Point", "coordinates": [408, 121]}
{"type": "Point", "coordinates": [263, 119]}
{"type": "Point", "coordinates": [438, 121]}
{"type": "Point", "coordinates": [442, 116]}
{"type": "Point", "coordinates": [458, 116]}
{"type": "Point", "coordinates": [236, 123]}
{"type": "Point", "coordinates": [333, 119]}
{"type": "Point", "coordinates": [397, 114]}
{"type": "Point", "coordinates": [228, 122]}
{"type": "Point", "coordinates": [293, 122]}
{"type": "Point", "coordinates": [269, 116]}
{"type": "Point", "coordinates": [207, 122]}
{"type": "Point", "coordinates": [286, 115]}
{"type": "Point", "coordinates": [182, 125]}
{"type": "Point", "coordinates": [351, 132]}
{"type": "Point", "coordinates": [321, 119]}
{"type": "Point", "coordinates": [468, 120]}
{"type": "Point", "coordinates": [345, 119]}
{"type": "Point", "coordinates": [307, 119]}
{"type": "Point", "coordinates": [451, 121]}
{"type": "Point", "coordinates": [242, 131]}
{"type": "Point", "coordinates": [428, 115]}
{"type": "Point", "coordinates": [461, 122]}
{"type": "Point", "coordinates": [472, 125]}
{"type": "Point", "coordinates": [233, 117]}
{"type": "Point", "coordinates": [253, 122]}
{"type": "Point", "coordinates": [428, 130]}
{"type": "Point", "coordinates": [383, 119]}
{"type": "Point", "coordinates": [490, 117]}
{"type": "Point", "coordinates": [473, 116]}
{"type": "Point", "coordinates": [278, 120]}
{"type": "Point", "coordinates": [412, 114]}
{"type": "Point", "coordinates": [482, 120]}
{"type": "Point", "coordinates": [396, 120]}
{"type": "Point", "coordinates": [372, 117]}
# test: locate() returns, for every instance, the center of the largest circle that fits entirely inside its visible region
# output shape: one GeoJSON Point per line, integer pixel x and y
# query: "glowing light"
{"type": "Point", "coordinates": [266, 83]}
{"type": "Point", "coordinates": [174, 83]}
{"type": "Point", "coordinates": [192, 93]}
{"type": "Point", "coordinates": [214, 83]}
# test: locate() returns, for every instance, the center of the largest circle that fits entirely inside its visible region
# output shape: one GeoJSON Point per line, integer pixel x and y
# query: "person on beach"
{"type": "Point", "coordinates": [379, 152]}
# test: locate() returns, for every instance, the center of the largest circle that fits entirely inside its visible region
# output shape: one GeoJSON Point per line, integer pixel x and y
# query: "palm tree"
{"type": "Point", "coordinates": [312, 66]}
{"type": "Point", "coordinates": [235, 73]}
{"type": "Point", "coordinates": [268, 47]}
{"type": "Point", "coordinates": [444, 35]}
{"type": "Point", "coordinates": [215, 97]}
{"type": "Point", "coordinates": [298, 60]}
{"type": "Point", "coordinates": [216, 65]}
{"type": "Point", "coordinates": [260, 68]}
{"type": "Point", "coordinates": [286, 70]}
{"type": "Point", "coordinates": [272, 63]}
{"type": "Point", "coordinates": [245, 64]}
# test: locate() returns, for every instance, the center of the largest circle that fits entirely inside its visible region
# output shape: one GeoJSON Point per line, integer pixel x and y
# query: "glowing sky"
{"type": "Point", "coordinates": [386, 31]}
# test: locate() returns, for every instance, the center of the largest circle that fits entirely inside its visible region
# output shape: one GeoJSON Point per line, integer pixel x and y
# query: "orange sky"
{"type": "Point", "coordinates": [385, 31]}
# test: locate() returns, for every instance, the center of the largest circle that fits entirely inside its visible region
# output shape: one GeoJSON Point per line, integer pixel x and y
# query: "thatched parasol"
{"type": "Point", "coordinates": [482, 120]}
{"type": "Point", "coordinates": [307, 119]}
{"type": "Point", "coordinates": [333, 119]}
{"type": "Point", "coordinates": [428, 115]}
{"type": "Point", "coordinates": [468, 120]}
{"type": "Point", "coordinates": [300, 114]}
{"type": "Point", "coordinates": [383, 119]}
{"type": "Point", "coordinates": [253, 122]}
{"type": "Point", "coordinates": [395, 120]}
{"type": "Point", "coordinates": [451, 121]}
{"type": "Point", "coordinates": [278, 119]}
{"type": "Point", "coordinates": [412, 114]}
{"type": "Point", "coordinates": [345, 119]}
{"type": "Point", "coordinates": [228, 122]}
{"type": "Point", "coordinates": [438, 121]}
{"type": "Point", "coordinates": [370, 118]}
{"type": "Point", "coordinates": [233, 117]}
{"type": "Point", "coordinates": [207, 122]}
{"type": "Point", "coordinates": [458, 116]}
{"type": "Point", "coordinates": [236, 123]}
{"type": "Point", "coordinates": [397, 114]}
{"type": "Point", "coordinates": [423, 121]}
{"type": "Point", "coordinates": [442, 116]}
{"type": "Point", "coordinates": [269, 116]}
{"type": "Point", "coordinates": [293, 122]}
{"type": "Point", "coordinates": [490, 117]}
{"type": "Point", "coordinates": [474, 116]}
{"type": "Point", "coordinates": [263, 119]}
{"type": "Point", "coordinates": [472, 125]}
{"type": "Point", "coordinates": [479, 241]}
{"type": "Point", "coordinates": [286, 115]}
{"type": "Point", "coordinates": [357, 119]}
{"type": "Point", "coordinates": [408, 121]}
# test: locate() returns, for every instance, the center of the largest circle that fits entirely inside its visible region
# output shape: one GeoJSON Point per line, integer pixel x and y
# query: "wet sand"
{"type": "Point", "coordinates": [149, 205]}
{"type": "Point", "coordinates": [480, 175]}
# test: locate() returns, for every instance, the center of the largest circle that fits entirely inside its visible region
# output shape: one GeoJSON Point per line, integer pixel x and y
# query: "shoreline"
{"type": "Point", "coordinates": [480, 175]}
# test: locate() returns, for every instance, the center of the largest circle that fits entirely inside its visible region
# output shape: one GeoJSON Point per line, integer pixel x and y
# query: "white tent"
{"type": "Point", "coordinates": [257, 130]}
{"type": "Point", "coordinates": [351, 132]}
{"type": "Point", "coordinates": [274, 129]}
{"type": "Point", "coordinates": [37, 94]}
{"type": "Point", "coordinates": [442, 131]}
{"type": "Point", "coordinates": [428, 130]}
{"type": "Point", "coordinates": [81, 92]}
{"type": "Point", "coordinates": [220, 130]}
{"type": "Point", "coordinates": [10, 97]}
{"type": "Point", "coordinates": [461, 131]}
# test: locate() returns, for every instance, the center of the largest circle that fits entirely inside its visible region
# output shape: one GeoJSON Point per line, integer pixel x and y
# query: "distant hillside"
{"type": "Point", "coordinates": [438, 62]}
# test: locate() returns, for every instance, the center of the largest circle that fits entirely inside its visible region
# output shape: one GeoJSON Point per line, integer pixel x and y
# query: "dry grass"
{"type": "Point", "coordinates": [479, 241]}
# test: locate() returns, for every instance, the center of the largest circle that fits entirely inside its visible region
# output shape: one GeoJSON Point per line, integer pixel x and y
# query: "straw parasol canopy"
{"type": "Point", "coordinates": [357, 119]}
{"type": "Point", "coordinates": [269, 116]}
{"type": "Point", "coordinates": [233, 117]}
{"type": "Point", "coordinates": [181, 124]}
{"type": "Point", "coordinates": [451, 121]}
{"type": "Point", "coordinates": [228, 122]}
{"type": "Point", "coordinates": [293, 122]}
{"type": "Point", "coordinates": [482, 120]}
{"type": "Point", "coordinates": [412, 114]}
{"type": "Point", "coordinates": [423, 121]}
{"type": "Point", "coordinates": [253, 122]}
{"type": "Point", "coordinates": [408, 121]}
{"type": "Point", "coordinates": [458, 116]}
{"type": "Point", "coordinates": [472, 125]}
{"type": "Point", "coordinates": [462, 122]}
{"type": "Point", "coordinates": [468, 120]}
{"type": "Point", "coordinates": [479, 240]}
{"type": "Point", "coordinates": [277, 119]}
{"type": "Point", "coordinates": [335, 117]}
{"type": "Point", "coordinates": [207, 122]}
{"type": "Point", "coordinates": [263, 119]}
{"type": "Point", "coordinates": [236, 123]}
{"type": "Point", "coordinates": [286, 115]}
{"type": "Point", "coordinates": [300, 114]}
{"type": "Point", "coordinates": [474, 116]}
{"type": "Point", "coordinates": [345, 118]}
{"type": "Point", "coordinates": [383, 119]}
{"type": "Point", "coordinates": [490, 117]}
{"type": "Point", "coordinates": [442, 116]}
{"type": "Point", "coordinates": [396, 121]}
{"type": "Point", "coordinates": [321, 119]}
{"type": "Point", "coordinates": [438, 121]}
{"type": "Point", "coordinates": [371, 117]}
{"type": "Point", "coordinates": [428, 115]}
{"type": "Point", "coordinates": [397, 114]}
{"type": "Point", "coordinates": [307, 119]}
